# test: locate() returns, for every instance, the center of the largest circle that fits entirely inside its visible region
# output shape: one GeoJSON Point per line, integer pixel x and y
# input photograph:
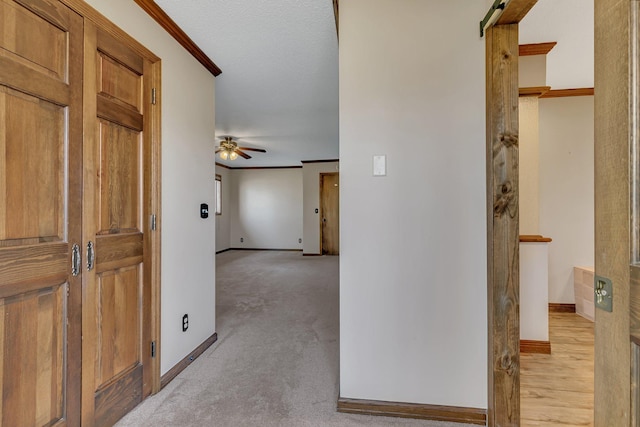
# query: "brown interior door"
{"type": "Point", "coordinates": [40, 213]}
{"type": "Point", "coordinates": [116, 310]}
{"type": "Point", "coordinates": [330, 213]}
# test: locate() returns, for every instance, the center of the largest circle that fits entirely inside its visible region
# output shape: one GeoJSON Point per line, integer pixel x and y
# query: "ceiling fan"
{"type": "Point", "coordinates": [228, 149]}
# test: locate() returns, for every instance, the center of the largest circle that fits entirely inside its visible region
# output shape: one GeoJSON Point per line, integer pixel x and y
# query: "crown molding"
{"type": "Point", "coordinates": [161, 17]}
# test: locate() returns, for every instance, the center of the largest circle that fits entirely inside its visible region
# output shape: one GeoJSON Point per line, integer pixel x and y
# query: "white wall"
{"type": "Point", "coordinates": [223, 222]}
{"type": "Point", "coordinates": [566, 189]}
{"type": "Point", "coordinates": [311, 194]}
{"type": "Point", "coordinates": [188, 243]}
{"type": "Point", "coordinates": [413, 289]}
{"type": "Point", "coordinates": [570, 63]}
{"type": "Point", "coordinates": [266, 208]}
{"type": "Point", "coordinates": [532, 70]}
{"type": "Point", "coordinates": [529, 161]}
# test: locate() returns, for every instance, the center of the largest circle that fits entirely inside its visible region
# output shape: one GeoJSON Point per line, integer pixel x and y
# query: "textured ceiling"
{"type": "Point", "coordinates": [279, 58]}
{"type": "Point", "coordinates": [279, 84]}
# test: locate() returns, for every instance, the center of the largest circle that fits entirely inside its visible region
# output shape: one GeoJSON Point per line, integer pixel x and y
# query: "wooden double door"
{"type": "Point", "coordinates": [76, 189]}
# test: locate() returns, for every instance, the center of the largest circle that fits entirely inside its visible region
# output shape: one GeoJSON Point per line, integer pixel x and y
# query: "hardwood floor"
{"type": "Point", "coordinates": [557, 389]}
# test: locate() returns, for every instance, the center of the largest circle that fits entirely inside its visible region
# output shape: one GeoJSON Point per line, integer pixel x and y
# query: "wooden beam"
{"type": "Point", "coordinates": [536, 48]}
{"type": "Point", "coordinates": [515, 11]}
{"type": "Point", "coordinates": [503, 239]}
{"type": "Point", "coordinates": [161, 17]}
{"type": "Point", "coordinates": [561, 93]}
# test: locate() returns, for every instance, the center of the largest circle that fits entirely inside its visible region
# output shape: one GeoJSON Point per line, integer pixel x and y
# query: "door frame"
{"type": "Point", "coordinates": [153, 170]}
{"type": "Point", "coordinates": [322, 175]}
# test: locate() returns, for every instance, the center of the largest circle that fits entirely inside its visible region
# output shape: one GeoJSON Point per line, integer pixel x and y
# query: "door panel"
{"type": "Point", "coordinates": [38, 349]}
{"type": "Point", "coordinates": [118, 334]}
{"type": "Point", "coordinates": [34, 41]}
{"type": "Point", "coordinates": [116, 351]}
{"type": "Point", "coordinates": [40, 217]}
{"type": "Point", "coordinates": [119, 178]}
{"type": "Point", "coordinates": [330, 207]}
{"type": "Point", "coordinates": [32, 179]}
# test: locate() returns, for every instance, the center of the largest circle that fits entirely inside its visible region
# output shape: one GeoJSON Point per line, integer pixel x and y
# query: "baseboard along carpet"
{"type": "Point", "coordinates": [276, 359]}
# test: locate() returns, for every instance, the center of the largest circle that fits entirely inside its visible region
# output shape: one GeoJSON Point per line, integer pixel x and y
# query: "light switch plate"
{"type": "Point", "coordinates": [379, 165]}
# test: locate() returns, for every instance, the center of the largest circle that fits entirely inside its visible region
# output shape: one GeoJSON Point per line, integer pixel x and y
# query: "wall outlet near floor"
{"type": "Point", "coordinates": [299, 240]}
{"type": "Point", "coordinates": [241, 239]}
{"type": "Point", "coordinates": [185, 323]}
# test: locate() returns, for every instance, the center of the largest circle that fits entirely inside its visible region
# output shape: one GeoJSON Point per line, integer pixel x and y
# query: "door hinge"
{"type": "Point", "coordinates": [153, 222]}
{"type": "Point", "coordinates": [153, 349]}
{"type": "Point", "coordinates": [153, 96]}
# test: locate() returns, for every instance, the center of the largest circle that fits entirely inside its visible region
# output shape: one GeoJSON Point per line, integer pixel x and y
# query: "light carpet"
{"type": "Point", "coordinates": [277, 356]}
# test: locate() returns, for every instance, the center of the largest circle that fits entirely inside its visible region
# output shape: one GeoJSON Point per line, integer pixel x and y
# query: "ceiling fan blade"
{"type": "Point", "coordinates": [253, 149]}
{"type": "Point", "coordinates": [219, 149]}
{"type": "Point", "coordinates": [242, 154]}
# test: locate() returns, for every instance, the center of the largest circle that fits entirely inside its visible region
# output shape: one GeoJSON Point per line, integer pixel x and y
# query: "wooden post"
{"type": "Point", "coordinates": [613, 196]}
{"type": "Point", "coordinates": [503, 253]}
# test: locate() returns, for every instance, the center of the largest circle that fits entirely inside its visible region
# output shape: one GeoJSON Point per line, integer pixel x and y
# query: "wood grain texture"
{"type": "Point", "coordinates": [413, 410]}
{"type": "Point", "coordinates": [152, 238]}
{"type": "Point", "coordinates": [532, 346]}
{"type": "Point", "coordinates": [33, 41]}
{"type": "Point", "coordinates": [187, 360]}
{"type": "Point", "coordinates": [122, 189]}
{"type": "Point", "coordinates": [119, 171]}
{"type": "Point", "coordinates": [634, 285]}
{"type": "Point", "coordinates": [33, 143]}
{"type": "Point", "coordinates": [534, 238]}
{"type": "Point", "coordinates": [555, 307]}
{"type": "Point", "coordinates": [563, 93]}
{"type": "Point", "coordinates": [161, 17]}
{"type": "Point", "coordinates": [121, 250]}
{"type": "Point", "coordinates": [118, 332]}
{"type": "Point", "coordinates": [330, 213]}
{"type": "Point", "coordinates": [31, 81]}
{"type": "Point", "coordinates": [119, 83]}
{"type": "Point", "coordinates": [612, 209]}
{"type": "Point", "coordinates": [114, 112]}
{"type": "Point", "coordinates": [50, 10]}
{"type": "Point", "coordinates": [536, 48]}
{"type": "Point", "coordinates": [33, 357]}
{"type": "Point", "coordinates": [114, 402]}
{"type": "Point", "coordinates": [40, 142]}
{"type": "Point", "coordinates": [503, 226]}
{"type": "Point", "coordinates": [557, 389]}
{"type": "Point", "coordinates": [515, 11]}
{"type": "Point", "coordinates": [534, 91]}
{"type": "Point", "coordinates": [112, 47]}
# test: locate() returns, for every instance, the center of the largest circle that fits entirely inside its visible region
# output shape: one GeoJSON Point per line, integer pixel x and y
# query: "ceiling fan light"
{"type": "Point", "coordinates": [233, 155]}
{"type": "Point", "coordinates": [224, 154]}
